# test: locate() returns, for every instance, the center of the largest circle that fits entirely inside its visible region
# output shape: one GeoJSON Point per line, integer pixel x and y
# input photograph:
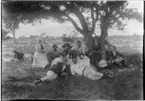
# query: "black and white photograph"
{"type": "Point", "coordinates": [72, 50]}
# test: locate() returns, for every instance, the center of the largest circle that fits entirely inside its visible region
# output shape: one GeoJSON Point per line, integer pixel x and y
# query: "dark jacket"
{"type": "Point", "coordinates": [96, 48]}
{"type": "Point", "coordinates": [58, 68]}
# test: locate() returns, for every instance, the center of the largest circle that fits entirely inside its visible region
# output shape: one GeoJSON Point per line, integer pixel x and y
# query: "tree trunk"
{"type": "Point", "coordinates": [14, 38]}
{"type": "Point", "coordinates": [104, 32]}
{"type": "Point", "coordinates": [89, 40]}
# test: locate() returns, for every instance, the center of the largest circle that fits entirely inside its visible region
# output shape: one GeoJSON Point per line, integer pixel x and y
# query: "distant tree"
{"type": "Point", "coordinates": [64, 35]}
{"type": "Point", "coordinates": [12, 23]}
{"type": "Point", "coordinates": [4, 33]}
{"type": "Point", "coordinates": [134, 34]}
{"type": "Point", "coordinates": [67, 39]}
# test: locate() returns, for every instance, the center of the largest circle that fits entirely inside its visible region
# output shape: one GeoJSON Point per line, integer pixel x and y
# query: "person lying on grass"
{"type": "Point", "coordinates": [74, 66]}
{"type": "Point", "coordinates": [19, 56]}
{"type": "Point", "coordinates": [57, 68]}
{"type": "Point", "coordinates": [82, 67]}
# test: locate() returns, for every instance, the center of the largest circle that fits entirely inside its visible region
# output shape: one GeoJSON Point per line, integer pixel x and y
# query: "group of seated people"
{"type": "Point", "coordinates": [76, 61]}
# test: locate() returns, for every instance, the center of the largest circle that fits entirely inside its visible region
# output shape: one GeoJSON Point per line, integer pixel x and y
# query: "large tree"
{"type": "Point", "coordinates": [113, 14]}
{"type": "Point", "coordinates": [11, 22]}
{"type": "Point", "coordinates": [84, 15]}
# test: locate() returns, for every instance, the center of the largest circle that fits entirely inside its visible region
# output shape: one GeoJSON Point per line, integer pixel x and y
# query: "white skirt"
{"type": "Point", "coordinates": [39, 60]}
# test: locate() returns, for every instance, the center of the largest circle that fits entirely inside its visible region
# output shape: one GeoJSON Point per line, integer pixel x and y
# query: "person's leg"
{"type": "Point", "coordinates": [97, 76]}
{"type": "Point", "coordinates": [48, 65]}
{"type": "Point", "coordinates": [92, 74]}
{"type": "Point", "coordinates": [50, 76]}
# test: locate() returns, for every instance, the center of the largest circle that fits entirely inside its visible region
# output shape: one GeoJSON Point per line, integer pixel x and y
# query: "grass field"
{"type": "Point", "coordinates": [17, 81]}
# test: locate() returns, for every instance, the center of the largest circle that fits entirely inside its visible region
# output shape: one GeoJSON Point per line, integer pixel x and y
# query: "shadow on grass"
{"type": "Point", "coordinates": [126, 86]}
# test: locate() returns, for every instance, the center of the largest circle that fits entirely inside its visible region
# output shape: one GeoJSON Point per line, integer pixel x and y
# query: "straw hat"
{"type": "Point", "coordinates": [66, 44]}
{"type": "Point", "coordinates": [54, 45]}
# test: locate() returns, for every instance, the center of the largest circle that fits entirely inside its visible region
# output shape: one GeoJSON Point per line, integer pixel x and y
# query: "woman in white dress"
{"type": "Point", "coordinates": [40, 57]}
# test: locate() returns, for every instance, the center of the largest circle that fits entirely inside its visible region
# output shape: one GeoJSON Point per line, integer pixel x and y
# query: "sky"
{"type": "Point", "coordinates": [56, 29]}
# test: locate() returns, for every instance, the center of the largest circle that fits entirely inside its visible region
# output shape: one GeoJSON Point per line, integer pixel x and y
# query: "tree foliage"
{"type": "Point", "coordinates": [67, 39]}
{"type": "Point", "coordinates": [87, 14]}
{"type": "Point", "coordinates": [4, 33]}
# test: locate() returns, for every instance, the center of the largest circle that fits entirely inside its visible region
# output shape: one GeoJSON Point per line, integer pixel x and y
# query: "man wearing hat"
{"type": "Point", "coordinates": [54, 48]}
{"type": "Point", "coordinates": [57, 68]}
{"type": "Point", "coordinates": [66, 47]}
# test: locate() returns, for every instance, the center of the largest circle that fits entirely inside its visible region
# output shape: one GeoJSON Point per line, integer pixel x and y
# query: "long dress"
{"type": "Point", "coordinates": [40, 59]}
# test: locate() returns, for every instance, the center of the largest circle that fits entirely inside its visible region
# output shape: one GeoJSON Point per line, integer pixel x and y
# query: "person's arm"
{"type": "Point", "coordinates": [55, 61]}
{"type": "Point", "coordinates": [42, 50]}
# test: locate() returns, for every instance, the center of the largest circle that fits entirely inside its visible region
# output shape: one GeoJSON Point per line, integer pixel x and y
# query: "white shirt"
{"type": "Point", "coordinates": [79, 67]}
{"type": "Point", "coordinates": [55, 61]}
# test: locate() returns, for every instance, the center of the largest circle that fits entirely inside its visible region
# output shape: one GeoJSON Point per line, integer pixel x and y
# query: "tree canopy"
{"type": "Point", "coordinates": [86, 13]}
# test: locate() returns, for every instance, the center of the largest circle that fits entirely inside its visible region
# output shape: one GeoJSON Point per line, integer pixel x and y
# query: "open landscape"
{"type": "Point", "coordinates": [17, 78]}
{"type": "Point", "coordinates": [30, 27]}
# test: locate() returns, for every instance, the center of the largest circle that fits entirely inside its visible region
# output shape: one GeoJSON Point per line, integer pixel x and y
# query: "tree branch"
{"type": "Point", "coordinates": [80, 16]}
{"type": "Point", "coordinates": [93, 19]}
{"type": "Point", "coordinates": [74, 23]}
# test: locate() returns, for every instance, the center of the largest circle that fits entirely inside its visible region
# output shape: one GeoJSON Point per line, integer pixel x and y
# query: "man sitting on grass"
{"type": "Point", "coordinates": [118, 57]}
